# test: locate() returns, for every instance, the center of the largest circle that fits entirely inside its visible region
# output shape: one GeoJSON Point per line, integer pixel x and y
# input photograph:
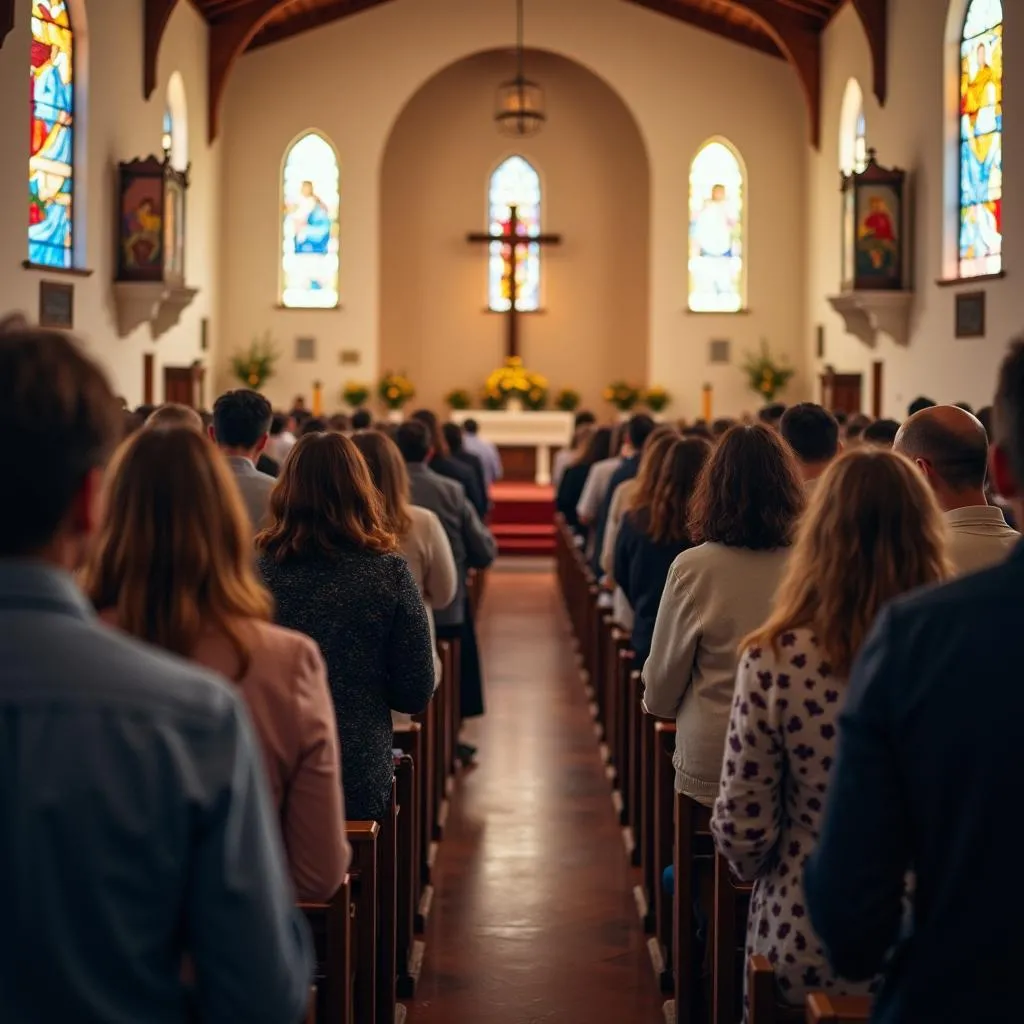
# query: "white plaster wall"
{"type": "Point", "coordinates": [908, 132]}
{"type": "Point", "coordinates": [352, 79]}
{"type": "Point", "coordinates": [119, 125]}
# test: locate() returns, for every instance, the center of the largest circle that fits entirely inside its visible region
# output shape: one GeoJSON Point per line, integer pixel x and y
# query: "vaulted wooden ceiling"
{"type": "Point", "coordinates": [789, 29]}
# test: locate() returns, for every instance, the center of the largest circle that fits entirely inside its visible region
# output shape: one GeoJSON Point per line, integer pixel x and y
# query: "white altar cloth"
{"type": "Point", "coordinates": [511, 428]}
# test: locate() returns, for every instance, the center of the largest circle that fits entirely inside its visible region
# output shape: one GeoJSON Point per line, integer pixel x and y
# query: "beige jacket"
{"type": "Point", "coordinates": [979, 537]}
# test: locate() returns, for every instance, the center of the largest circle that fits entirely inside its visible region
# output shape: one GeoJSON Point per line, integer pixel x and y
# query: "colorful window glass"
{"type": "Point", "coordinates": [52, 152]}
{"type": "Point", "coordinates": [716, 231]}
{"type": "Point", "coordinates": [981, 139]}
{"type": "Point", "coordinates": [860, 143]}
{"type": "Point", "coordinates": [311, 198]}
{"type": "Point", "coordinates": [514, 183]}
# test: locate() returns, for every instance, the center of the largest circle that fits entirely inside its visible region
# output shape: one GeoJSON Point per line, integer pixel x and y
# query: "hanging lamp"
{"type": "Point", "coordinates": [520, 104]}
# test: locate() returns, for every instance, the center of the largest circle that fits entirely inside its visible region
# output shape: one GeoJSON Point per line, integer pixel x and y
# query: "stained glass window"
{"type": "Point", "coordinates": [981, 139]}
{"type": "Point", "coordinates": [860, 143]}
{"type": "Point", "coordinates": [309, 262]}
{"type": "Point", "coordinates": [514, 183]}
{"type": "Point", "coordinates": [716, 230]}
{"type": "Point", "coordinates": [51, 150]}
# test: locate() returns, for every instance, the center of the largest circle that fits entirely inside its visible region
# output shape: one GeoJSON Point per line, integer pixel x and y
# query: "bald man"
{"type": "Point", "coordinates": [950, 447]}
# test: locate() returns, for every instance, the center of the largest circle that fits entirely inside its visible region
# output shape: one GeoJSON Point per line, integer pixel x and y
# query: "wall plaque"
{"type": "Point", "coordinates": [56, 305]}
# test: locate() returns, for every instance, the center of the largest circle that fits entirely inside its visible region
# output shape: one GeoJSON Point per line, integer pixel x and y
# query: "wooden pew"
{"type": "Point", "coordinates": [408, 952]}
{"type": "Point", "coordinates": [823, 1009]}
{"type": "Point", "coordinates": [331, 925]}
{"type": "Point", "coordinates": [445, 749]}
{"type": "Point", "coordinates": [363, 837]}
{"type": "Point", "coordinates": [387, 913]}
{"type": "Point", "coordinates": [765, 1007]}
{"type": "Point", "coordinates": [622, 666]}
{"type": "Point", "coordinates": [662, 844]}
{"type": "Point", "coordinates": [645, 831]}
{"type": "Point", "coordinates": [311, 1011]}
{"type": "Point", "coordinates": [429, 743]}
{"type": "Point", "coordinates": [638, 722]}
{"type": "Point", "coordinates": [729, 931]}
{"type": "Point", "coordinates": [694, 865]}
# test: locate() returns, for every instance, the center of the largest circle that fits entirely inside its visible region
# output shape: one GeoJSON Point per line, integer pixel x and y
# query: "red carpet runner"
{"type": "Point", "coordinates": [523, 518]}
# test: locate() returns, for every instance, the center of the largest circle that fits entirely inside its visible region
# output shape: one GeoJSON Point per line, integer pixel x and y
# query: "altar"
{"type": "Point", "coordinates": [526, 440]}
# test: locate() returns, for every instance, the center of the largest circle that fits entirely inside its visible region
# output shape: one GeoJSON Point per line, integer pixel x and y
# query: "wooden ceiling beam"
{"type": "Point", "coordinates": [303, 21]}
{"type": "Point", "coordinates": [6, 18]}
{"type": "Point", "coordinates": [717, 24]}
{"type": "Point", "coordinates": [155, 18]}
{"type": "Point", "coordinates": [874, 16]}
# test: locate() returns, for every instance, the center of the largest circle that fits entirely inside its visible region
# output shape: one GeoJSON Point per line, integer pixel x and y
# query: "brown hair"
{"type": "Point", "coordinates": [174, 554]}
{"type": "Point", "coordinates": [667, 510]}
{"type": "Point", "coordinates": [433, 425]}
{"type": "Point", "coordinates": [873, 531]}
{"type": "Point", "coordinates": [657, 447]}
{"type": "Point", "coordinates": [171, 416]}
{"type": "Point", "coordinates": [324, 503]}
{"type": "Point", "coordinates": [390, 477]}
{"type": "Point", "coordinates": [749, 494]}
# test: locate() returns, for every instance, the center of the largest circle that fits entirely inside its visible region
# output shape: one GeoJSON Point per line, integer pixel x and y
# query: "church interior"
{"type": "Point", "coordinates": [509, 212]}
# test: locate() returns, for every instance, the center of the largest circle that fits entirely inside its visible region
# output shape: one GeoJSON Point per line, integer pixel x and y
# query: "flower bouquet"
{"type": "Point", "coordinates": [355, 395]}
{"type": "Point", "coordinates": [656, 399]}
{"type": "Point", "coordinates": [764, 375]}
{"type": "Point", "coordinates": [458, 399]}
{"type": "Point", "coordinates": [567, 400]}
{"type": "Point", "coordinates": [622, 395]}
{"type": "Point", "coordinates": [255, 367]}
{"type": "Point", "coordinates": [513, 383]}
{"type": "Point", "coordinates": [395, 390]}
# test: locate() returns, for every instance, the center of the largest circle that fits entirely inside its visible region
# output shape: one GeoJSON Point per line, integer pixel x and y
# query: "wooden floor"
{"type": "Point", "coordinates": [534, 922]}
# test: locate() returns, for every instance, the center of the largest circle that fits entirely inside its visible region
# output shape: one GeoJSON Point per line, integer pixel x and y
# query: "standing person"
{"type": "Point", "coordinates": [654, 532]}
{"type": "Point", "coordinates": [872, 532]}
{"type": "Point", "coordinates": [454, 438]}
{"type": "Point", "coordinates": [950, 447]}
{"type": "Point", "coordinates": [442, 463]}
{"type": "Point", "coordinates": [241, 420]}
{"type": "Point", "coordinates": [486, 451]}
{"type": "Point", "coordinates": [583, 423]}
{"type": "Point", "coordinates": [421, 537]}
{"type": "Point", "coordinates": [472, 546]}
{"type": "Point", "coordinates": [361, 419]}
{"type": "Point", "coordinates": [282, 437]}
{"type": "Point", "coordinates": [173, 567]}
{"type": "Point", "coordinates": [742, 519]}
{"type": "Point", "coordinates": [925, 781]}
{"type": "Point", "coordinates": [592, 447]}
{"type": "Point", "coordinates": [336, 575]}
{"type": "Point", "coordinates": [132, 801]}
{"type": "Point", "coordinates": [812, 434]}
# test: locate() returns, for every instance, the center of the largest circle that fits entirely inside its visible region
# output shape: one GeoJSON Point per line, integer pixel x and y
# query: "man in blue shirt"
{"type": "Point", "coordinates": [486, 451]}
{"type": "Point", "coordinates": [926, 785]}
{"type": "Point", "coordinates": [139, 846]}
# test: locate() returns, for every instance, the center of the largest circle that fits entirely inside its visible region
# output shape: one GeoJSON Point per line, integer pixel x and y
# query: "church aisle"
{"type": "Point", "coordinates": [534, 921]}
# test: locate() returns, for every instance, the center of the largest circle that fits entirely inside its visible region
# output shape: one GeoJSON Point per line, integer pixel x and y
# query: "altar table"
{"type": "Point", "coordinates": [541, 431]}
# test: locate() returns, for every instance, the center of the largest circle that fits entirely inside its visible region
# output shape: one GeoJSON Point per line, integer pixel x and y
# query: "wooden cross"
{"type": "Point", "coordinates": [513, 238]}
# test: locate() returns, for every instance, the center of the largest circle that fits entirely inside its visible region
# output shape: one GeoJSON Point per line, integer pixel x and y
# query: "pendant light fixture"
{"type": "Point", "coordinates": [520, 106]}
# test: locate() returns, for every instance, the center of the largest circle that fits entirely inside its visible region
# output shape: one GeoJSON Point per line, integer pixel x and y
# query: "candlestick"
{"type": "Point", "coordinates": [705, 403]}
{"type": "Point", "coordinates": [318, 398]}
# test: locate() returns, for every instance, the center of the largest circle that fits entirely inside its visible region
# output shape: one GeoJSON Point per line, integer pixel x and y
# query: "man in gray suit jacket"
{"type": "Point", "coordinates": [241, 426]}
{"type": "Point", "coordinates": [133, 800]}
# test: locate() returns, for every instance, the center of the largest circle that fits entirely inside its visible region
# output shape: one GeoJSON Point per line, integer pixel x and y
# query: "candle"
{"type": "Point", "coordinates": [705, 403]}
{"type": "Point", "coordinates": [318, 398]}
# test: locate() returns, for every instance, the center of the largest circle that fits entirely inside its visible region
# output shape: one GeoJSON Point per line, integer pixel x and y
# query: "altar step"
{"type": "Point", "coordinates": [523, 519]}
{"type": "Point", "coordinates": [524, 538]}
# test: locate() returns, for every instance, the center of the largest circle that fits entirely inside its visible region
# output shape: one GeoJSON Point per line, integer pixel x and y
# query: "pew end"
{"type": "Point", "coordinates": [331, 926]}
{"type": "Point", "coordinates": [824, 1009]}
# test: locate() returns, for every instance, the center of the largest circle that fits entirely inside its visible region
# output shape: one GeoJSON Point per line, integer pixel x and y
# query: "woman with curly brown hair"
{"type": "Point", "coordinates": [742, 517]}
{"type": "Point", "coordinates": [336, 574]}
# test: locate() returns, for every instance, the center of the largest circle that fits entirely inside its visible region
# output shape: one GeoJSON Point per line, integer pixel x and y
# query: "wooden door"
{"type": "Point", "coordinates": [180, 385]}
{"type": "Point", "coordinates": [842, 392]}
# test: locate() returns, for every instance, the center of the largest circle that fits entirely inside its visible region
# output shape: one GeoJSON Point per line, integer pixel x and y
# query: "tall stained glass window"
{"type": "Point", "coordinates": [514, 183]}
{"type": "Point", "coordinates": [716, 231]}
{"type": "Point", "coordinates": [981, 139]}
{"type": "Point", "coordinates": [51, 152]}
{"type": "Point", "coordinates": [853, 130]}
{"type": "Point", "coordinates": [309, 260]}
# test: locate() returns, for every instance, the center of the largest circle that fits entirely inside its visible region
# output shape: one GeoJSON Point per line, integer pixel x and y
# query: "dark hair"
{"type": "Point", "coordinates": [582, 418]}
{"type": "Point", "coordinates": [856, 425]}
{"type": "Point", "coordinates": [433, 425]}
{"type": "Point", "coordinates": [241, 418]}
{"type": "Point", "coordinates": [638, 429]}
{"type": "Point", "coordinates": [881, 432]}
{"type": "Point", "coordinates": [839, 415]}
{"type": "Point", "coordinates": [771, 414]}
{"type": "Point", "coordinates": [666, 516]}
{"type": "Point", "coordinates": [312, 425]}
{"type": "Point", "coordinates": [339, 423]}
{"type": "Point", "coordinates": [277, 423]}
{"type": "Point", "coordinates": [361, 419]}
{"type": "Point", "coordinates": [59, 420]}
{"type": "Point", "coordinates": [324, 503]}
{"type": "Point", "coordinates": [722, 426]}
{"type": "Point", "coordinates": [919, 403]}
{"type": "Point", "coordinates": [413, 440]}
{"type": "Point", "coordinates": [966, 406]}
{"type": "Point", "coordinates": [698, 430]}
{"type": "Point", "coordinates": [1008, 408]}
{"type": "Point", "coordinates": [750, 494]}
{"type": "Point", "coordinates": [958, 457]}
{"type": "Point", "coordinates": [598, 448]}
{"type": "Point", "coordinates": [985, 419]}
{"type": "Point", "coordinates": [453, 437]}
{"type": "Point", "coordinates": [811, 431]}
{"type": "Point", "coordinates": [145, 411]}
{"type": "Point", "coordinates": [471, 426]}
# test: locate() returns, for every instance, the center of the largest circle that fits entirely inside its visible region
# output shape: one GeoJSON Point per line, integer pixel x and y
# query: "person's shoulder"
{"type": "Point", "coordinates": [425, 523]}
{"type": "Point", "coordinates": [970, 597]}
{"type": "Point", "coordinates": [792, 647]}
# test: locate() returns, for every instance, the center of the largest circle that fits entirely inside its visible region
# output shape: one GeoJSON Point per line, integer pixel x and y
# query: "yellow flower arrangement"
{"type": "Point", "coordinates": [355, 395]}
{"type": "Point", "coordinates": [514, 380]}
{"type": "Point", "coordinates": [395, 389]}
{"type": "Point", "coordinates": [567, 400]}
{"type": "Point", "coordinates": [656, 398]}
{"type": "Point", "coordinates": [459, 398]}
{"type": "Point", "coordinates": [765, 375]}
{"type": "Point", "coordinates": [622, 395]}
{"type": "Point", "coordinates": [255, 367]}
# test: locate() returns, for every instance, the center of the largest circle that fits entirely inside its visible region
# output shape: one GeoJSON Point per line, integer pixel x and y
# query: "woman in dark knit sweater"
{"type": "Point", "coordinates": [653, 532]}
{"type": "Point", "coordinates": [596, 447]}
{"type": "Point", "coordinates": [336, 575]}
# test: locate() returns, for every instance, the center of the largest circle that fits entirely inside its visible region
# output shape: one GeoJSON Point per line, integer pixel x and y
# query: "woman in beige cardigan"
{"type": "Point", "coordinates": [174, 566]}
{"type": "Point", "coordinates": [742, 517]}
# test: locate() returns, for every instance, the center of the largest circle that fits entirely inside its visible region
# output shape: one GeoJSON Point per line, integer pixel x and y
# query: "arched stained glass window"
{"type": "Point", "coordinates": [311, 198]}
{"type": "Point", "coordinates": [717, 280]}
{"type": "Point", "coordinates": [51, 168]}
{"type": "Point", "coordinates": [853, 131]}
{"type": "Point", "coordinates": [514, 183]}
{"type": "Point", "coordinates": [981, 139]}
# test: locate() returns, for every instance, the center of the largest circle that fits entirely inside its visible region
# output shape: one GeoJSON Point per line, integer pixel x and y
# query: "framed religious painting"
{"type": "Point", "coordinates": [151, 210]}
{"type": "Point", "coordinates": [873, 228]}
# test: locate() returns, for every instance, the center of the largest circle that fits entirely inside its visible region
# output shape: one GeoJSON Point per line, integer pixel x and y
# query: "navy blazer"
{"type": "Point", "coordinates": [927, 779]}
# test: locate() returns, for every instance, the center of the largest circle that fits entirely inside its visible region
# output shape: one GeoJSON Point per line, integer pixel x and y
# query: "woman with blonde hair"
{"type": "Point", "coordinates": [331, 559]}
{"type": "Point", "coordinates": [173, 566]}
{"type": "Point", "coordinates": [873, 531]}
{"type": "Point", "coordinates": [421, 538]}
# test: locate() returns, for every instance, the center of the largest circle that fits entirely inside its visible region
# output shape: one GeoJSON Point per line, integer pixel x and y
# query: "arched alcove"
{"type": "Point", "coordinates": [592, 326]}
{"type": "Point", "coordinates": [852, 129]}
{"type": "Point", "coordinates": [177, 115]}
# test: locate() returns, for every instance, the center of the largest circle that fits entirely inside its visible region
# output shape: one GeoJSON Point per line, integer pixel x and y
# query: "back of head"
{"type": "Point", "coordinates": [984, 415]}
{"type": "Point", "coordinates": [312, 425]}
{"type": "Point", "coordinates": [598, 448]}
{"type": "Point", "coordinates": [853, 431]}
{"type": "Point", "coordinates": [582, 418]}
{"type": "Point", "coordinates": [471, 426]}
{"type": "Point", "coordinates": [668, 507]}
{"type": "Point", "coordinates": [453, 437]}
{"type": "Point", "coordinates": [951, 445]}
{"type": "Point", "coordinates": [750, 494]}
{"type": "Point", "coordinates": [172, 416]}
{"type": "Point", "coordinates": [361, 419]}
{"type": "Point", "coordinates": [811, 431]}
{"type": "Point", "coordinates": [413, 440]}
{"type": "Point", "coordinates": [60, 422]}
{"type": "Point", "coordinates": [1008, 422]}
{"type": "Point", "coordinates": [881, 433]}
{"type": "Point", "coordinates": [638, 429]}
{"type": "Point", "coordinates": [11, 323]}
{"type": "Point", "coordinates": [771, 415]}
{"type": "Point", "coordinates": [919, 403]}
{"type": "Point", "coordinates": [324, 504]}
{"type": "Point", "coordinates": [722, 426]}
{"type": "Point", "coordinates": [241, 418]}
{"type": "Point", "coordinates": [872, 531]}
{"type": "Point", "coordinates": [659, 444]}
{"type": "Point", "coordinates": [433, 425]}
{"type": "Point", "coordinates": [174, 555]}
{"type": "Point", "coordinates": [389, 475]}
{"type": "Point", "coordinates": [277, 423]}
{"type": "Point", "coordinates": [339, 423]}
